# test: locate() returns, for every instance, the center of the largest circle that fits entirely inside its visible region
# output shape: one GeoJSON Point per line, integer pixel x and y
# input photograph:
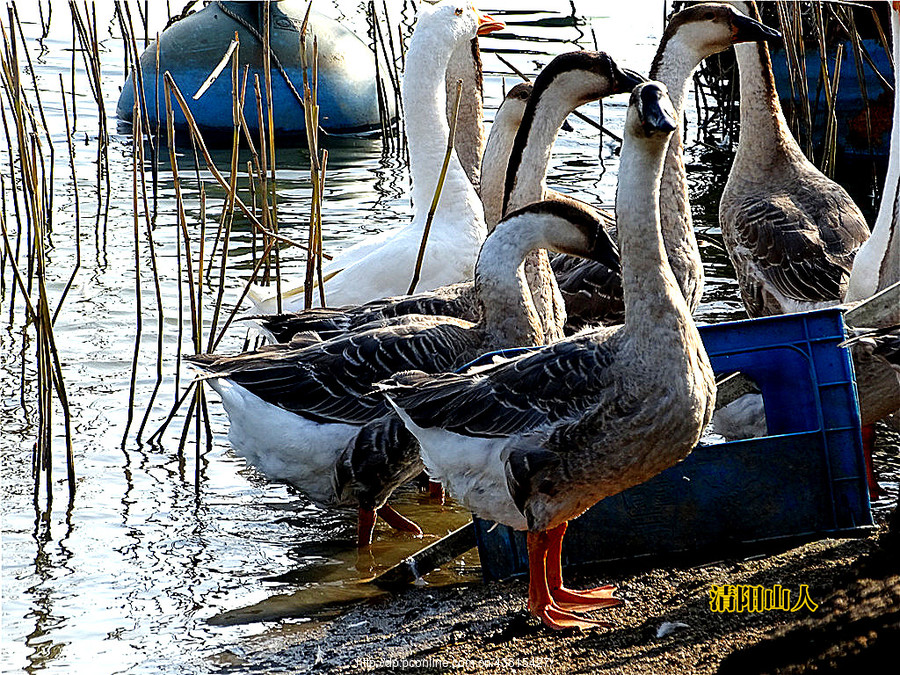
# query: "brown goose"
{"type": "Point", "coordinates": [302, 415]}
{"type": "Point", "coordinates": [791, 233]}
{"type": "Point", "coordinates": [536, 441]}
{"type": "Point", "coordinates": [691, 35]}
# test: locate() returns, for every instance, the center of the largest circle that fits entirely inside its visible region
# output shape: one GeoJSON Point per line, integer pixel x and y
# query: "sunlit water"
{"type": "Point", "coordinates": [155, 543]}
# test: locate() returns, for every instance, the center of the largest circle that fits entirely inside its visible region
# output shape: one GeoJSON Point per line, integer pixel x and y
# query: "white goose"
{"type": "Point", "coordinates": [877, 263]}
{"type": "Point", "coordinates": [791, 233]}
{"type": "Point", "coordinates": [302, 415]}
{"type": "Point", "coordinates": [536, 441]}
{"type": "Point", "coordinates": [383, 265]}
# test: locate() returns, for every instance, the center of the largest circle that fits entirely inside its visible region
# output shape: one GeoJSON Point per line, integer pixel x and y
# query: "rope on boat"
{"type": "Point", "coordinates": [227, 12]}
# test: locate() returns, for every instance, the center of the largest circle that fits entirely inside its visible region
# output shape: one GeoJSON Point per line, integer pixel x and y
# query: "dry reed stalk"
{"type": "Point", "coordinates": [43, 127]}
{"type": "Point", "coordinates": [35, 187]}
{"type": "Point", "coordinates": [138, 297]}
{"type": "Point", "coordinates": [128, 37]}
{"type": "Point", "coordinates": [437, 192]}
{"type": "Point", "coordinates": [830, 90]}
{"type": "Point", "coordinates": [317, 179]}
{"type": "Point", "coordinates": [270, 117]}
{"type": "Point", "coordinates": [86, 28]}
{"type": "Point", "coordinates": [183, 230]}
{"type": "Point", "coordinates": [380, 94]}
{"type": "Point", "coordinates": [71, 150]}
{"type": "Point", "coordinates": [228, 215]}
{"type": "Point", "coordinates": [858, 52]}
{"type": "Point", "coordinates": [210, 164]}
{"type": "Point", "coordinates": [140, 162]}
{"type": "Point", "coordinates": [228, 204]}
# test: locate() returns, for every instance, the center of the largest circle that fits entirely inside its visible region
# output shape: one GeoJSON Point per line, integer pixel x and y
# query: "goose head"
{"type": "Point", "coordinates": [712, 27]}
{"type": "Point", "coordinates": [650, 112]}
{"type": "Point", "coordinates": [585, 75]}
{"type": "Point", "coordinates": [567, 227]}
{"type": "Point", "coordinates": [567, 82]}
{"type": "Point", "coordinates": [460, 21]}
{"type": "Point", "coordinates": [513, 107]}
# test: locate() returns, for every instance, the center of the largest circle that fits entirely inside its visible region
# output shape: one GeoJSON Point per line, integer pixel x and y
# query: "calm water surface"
{"type": "Point", "coordinates": [157, 541]}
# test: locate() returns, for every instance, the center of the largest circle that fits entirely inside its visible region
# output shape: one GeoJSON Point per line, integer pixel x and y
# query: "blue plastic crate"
{"type": "Point", "coordinates": [805, 480]}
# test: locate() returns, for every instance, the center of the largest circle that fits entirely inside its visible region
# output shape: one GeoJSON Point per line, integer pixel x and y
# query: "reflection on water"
{"type": "Point", "coordinates": [159, 541]}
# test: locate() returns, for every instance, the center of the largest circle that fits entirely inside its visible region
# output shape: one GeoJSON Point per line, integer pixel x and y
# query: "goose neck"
{"type": "Point", "coordinates": [465, 65]}
{"type": "Point", "coordinates": [427, 129]}
{"type": "Point", "coordinates": [765, 136]}
{"type": "Point", "coordinates": [530, 155]}
{"type": "Point", "coordinates": [674, 66]}
{"type": "Point", "coordinates": [508, 313]}
{"type": "Point", "coordinates": [650, 289]}
{"type": "Point", "coordinates": [493, 168]}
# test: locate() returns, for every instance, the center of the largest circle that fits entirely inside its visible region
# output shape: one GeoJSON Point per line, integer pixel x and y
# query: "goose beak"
{"type": "Point", "coordinates": [626, 80]}
{"type": "Point", "coordinates": [655, 109]}
{"type": "Point", "coordinates": [745, 29]}
{"type": "Point", "coordinates": [487, 23]}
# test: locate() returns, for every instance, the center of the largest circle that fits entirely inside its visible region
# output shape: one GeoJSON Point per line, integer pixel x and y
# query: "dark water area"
{"type": "Point", "coordinates": [164, 551]}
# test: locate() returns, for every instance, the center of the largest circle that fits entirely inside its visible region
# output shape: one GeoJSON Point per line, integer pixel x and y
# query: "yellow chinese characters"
{"type": "Point", "coordinates": [739, 598]}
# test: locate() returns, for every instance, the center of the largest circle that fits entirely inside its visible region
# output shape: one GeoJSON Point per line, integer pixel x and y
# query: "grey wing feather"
{"type": "Point", "coordinates": [457, 300]}
{"type": "Point", "coordinates": [553, 384]}
{"type": "Point", "coordinates": [804, 259]}
{"type": "Point", "coordinates": [591, 290]}
{"type": "Point", "coordinates": [380, 458]}
{"type": "Point", "coordinates": [330, 381]}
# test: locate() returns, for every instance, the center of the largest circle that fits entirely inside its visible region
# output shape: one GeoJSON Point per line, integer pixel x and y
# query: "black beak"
{"type": "Point", "coordinates": [749, 30]}
{"type": "Point", "coordinates": [626, 79]}
{"type": "Point", "coordinates": [655, 109]}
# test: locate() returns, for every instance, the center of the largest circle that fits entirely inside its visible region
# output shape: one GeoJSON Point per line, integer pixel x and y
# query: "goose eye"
{"type": "Point", "coordinates": [709, 16]}
{"type": "Point", "coordinates": [459, 11]}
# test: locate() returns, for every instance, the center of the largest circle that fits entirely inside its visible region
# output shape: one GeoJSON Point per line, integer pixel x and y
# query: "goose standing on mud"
{"type": "Point", "coordinates": [791, 233]}
{"type": "Point", "coordinates": [536, 441]}
{"type": "Point", "coordinates": [383, 265]}
{"type": "Point", "coordinates": [303, 415]}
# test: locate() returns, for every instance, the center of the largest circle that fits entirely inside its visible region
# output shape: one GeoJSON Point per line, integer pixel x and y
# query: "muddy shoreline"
{"type": "Point", "coordinates": [666, 624]}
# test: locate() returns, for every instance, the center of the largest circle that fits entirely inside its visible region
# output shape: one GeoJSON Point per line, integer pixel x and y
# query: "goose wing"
{"type": "Point", "coordinates": [553, 384]}
{"type": "Point", "coordinates": [329, 381]}
{"type": "Point", "coordinates": [456, 300]}
{"type": "Point", "coordinates": [591, 290]}
{"type": "Point", "coordinates": [803, 243]}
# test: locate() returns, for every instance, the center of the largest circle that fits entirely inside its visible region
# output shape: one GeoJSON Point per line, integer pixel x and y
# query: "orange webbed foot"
{"type": "Point", "coordinates": [399, 521]}
{"type": "Point", "coordinates": [558, 619]}
{"type": "Point", "coordinates": [586, 600]}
